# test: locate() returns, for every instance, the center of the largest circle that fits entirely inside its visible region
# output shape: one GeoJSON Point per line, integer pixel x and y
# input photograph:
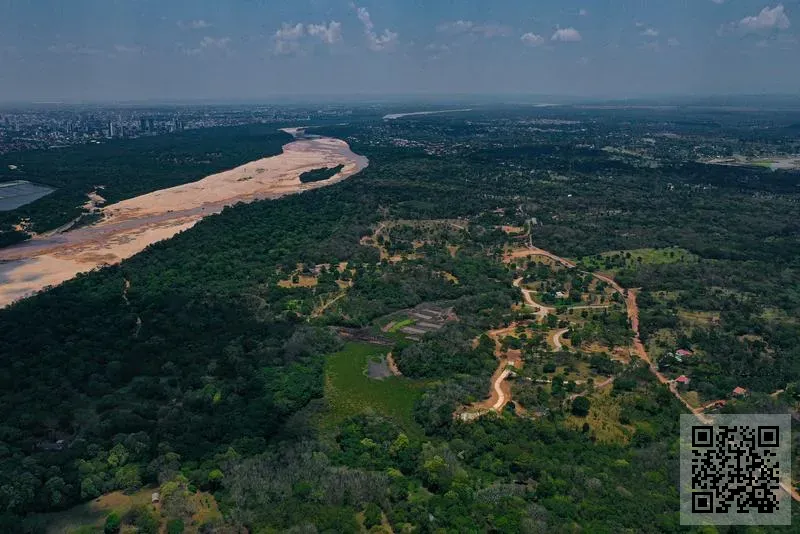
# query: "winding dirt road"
{"type": "Point", "coordinates": [542, 310]}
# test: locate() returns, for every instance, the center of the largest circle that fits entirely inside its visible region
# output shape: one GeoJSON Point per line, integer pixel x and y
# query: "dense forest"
{"type": "Point", "coordinates": [318, 175]}
{"type": "Point", "coordinates": [212, 376]}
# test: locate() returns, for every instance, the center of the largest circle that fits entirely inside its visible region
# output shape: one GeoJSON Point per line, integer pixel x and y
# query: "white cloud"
{"type": "Point", "coordinates": [287, 38]}
{"type": "Point", "coordinates": [531, 39]}
{"type": "Point", "coordinates": [584, 60]}
{"type": "Point", "coordinates": [207, 44]}
{"type": "Point", "coordinates": [650, 32]}
{"type": "Point", "coordinates": [211, 42]}
{"type": "Point", "coordinates": [767, 19]}
{"type": "Point", "coordinates": [198, 24]}
{"type": "Point", "coordinates": [381, 42]}
{"type": "Point", "coordinates": [583, 12]}
{"type": "Point", "coordinates": [375, 42]}
{"type": "Point", "coordinates": [566, 35]}
{"type": "Point", "coordinates": [718, 1]}
{"type": "Point", "coordinates": [330, 34]}
{"type": "Point", "coordinates": [457, 26]}
{"type": "Point", "coordinates": [672, 41]}
{"type": "Point", "coordinates": [124, 49]}
{"type": "Point", "coordinates": [71, 49]}
{"type": "Point", "coordinates": [487, 30]}
{"type": "Point", "coordinates": [364, 17]}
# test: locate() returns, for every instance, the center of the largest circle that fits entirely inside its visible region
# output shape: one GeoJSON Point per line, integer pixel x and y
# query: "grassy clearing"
{"type": "Point", "coordinates": [93, 513]}
{"type": "Point", "coordinates": [349, 391]}
{"type": "Point", "coordinates": [698, 318]}
{"type": "Point", "coordinates": [615, 260]}
{"type": "Point", "coordinates": [402, 324]}
{"type": "Point", "coordinates": [302, 281]}
{"type": "Point", "coordinates": [91, 516]}
{"type": "Point", "coordinates": [603, 419]}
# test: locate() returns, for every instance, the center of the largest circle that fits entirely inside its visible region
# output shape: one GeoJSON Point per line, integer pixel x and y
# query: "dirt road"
{"type": "Point", "coordinates": [555, 338]}
{"type": "Point", "coordinates": [542, 310]}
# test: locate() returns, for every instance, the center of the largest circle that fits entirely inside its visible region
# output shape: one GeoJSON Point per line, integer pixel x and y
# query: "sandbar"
{"type": "Point", "coordinates": [129, 226]}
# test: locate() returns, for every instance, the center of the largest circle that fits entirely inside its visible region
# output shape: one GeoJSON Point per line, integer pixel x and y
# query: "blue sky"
{"type": "Point", "coordinates": [257, 49]}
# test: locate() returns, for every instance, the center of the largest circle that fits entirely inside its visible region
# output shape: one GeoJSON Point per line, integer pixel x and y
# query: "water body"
{"type": "Point", "coordinates": [20, 192]}
{"type": "Point", "coordinates": [129, 226]}
{"type": "Point", "coordinates": [392, 116]}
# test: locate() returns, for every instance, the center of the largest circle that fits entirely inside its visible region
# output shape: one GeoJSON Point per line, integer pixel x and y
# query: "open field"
{"type": "Point", "coordinates": [349, 390]}
{"type": "Point", "coordinates": [603, 419]}
{"type": "Point", "coordinates": [615, 260]}
{"type": "Point", "coordinates": [90, 517]}
{"type": "Point", "coordinates": [129, 226]}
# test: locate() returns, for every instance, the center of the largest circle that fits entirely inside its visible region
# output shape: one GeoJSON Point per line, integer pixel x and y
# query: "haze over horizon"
{"type": "Point", "coordinates": [94, 50]}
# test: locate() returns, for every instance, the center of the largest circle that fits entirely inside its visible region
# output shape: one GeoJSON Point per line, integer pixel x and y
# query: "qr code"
{"type": "Point", "coordinates": [735, 470]}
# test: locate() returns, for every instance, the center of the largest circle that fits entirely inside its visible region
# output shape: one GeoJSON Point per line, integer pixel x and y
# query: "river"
{"type": "Point", "coordinates": [127, 227]}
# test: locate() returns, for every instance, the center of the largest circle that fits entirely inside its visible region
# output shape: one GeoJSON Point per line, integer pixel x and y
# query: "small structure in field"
{"type": "Point", "coordinates": [683, 352]}
{"type": "Point", "coordinates": [739, 392]}
{"type": "Point", "coordinates": [683, 379]}
{"type": "Point", "coordinates": [155, 498]}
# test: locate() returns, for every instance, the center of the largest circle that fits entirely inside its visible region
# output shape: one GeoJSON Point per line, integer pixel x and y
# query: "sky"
{"type": "Point", "coordinates": [122, 50]}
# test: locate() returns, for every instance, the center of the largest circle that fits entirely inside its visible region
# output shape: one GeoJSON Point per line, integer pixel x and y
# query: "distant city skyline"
{"type": "Point", "coordinates": [149, 50]}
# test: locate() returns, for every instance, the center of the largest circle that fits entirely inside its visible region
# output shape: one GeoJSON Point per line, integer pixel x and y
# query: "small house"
{"type": "Point", "coordinates": [683, 379]}
{"type": "Point", "coordinates": [155, 498]}
{"type": "Point", "coordinates": [683, 353]}
{"type": "Point", "coordinates": [739, 392]}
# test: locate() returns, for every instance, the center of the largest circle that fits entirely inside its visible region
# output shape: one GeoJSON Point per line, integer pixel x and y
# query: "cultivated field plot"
{"type": "Point", "coordinates": [20, 192]}
{"type": "Point", "coordinates": [423, 319]}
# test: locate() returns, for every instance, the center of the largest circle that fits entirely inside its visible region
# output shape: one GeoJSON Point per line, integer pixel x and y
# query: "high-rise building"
{"type": "Point", "coordinates": [143, 124]}
{"type": "Point", "coordinates": [111, 129]}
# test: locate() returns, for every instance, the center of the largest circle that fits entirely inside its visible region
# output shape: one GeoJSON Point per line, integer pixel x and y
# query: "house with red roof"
{"type": "Point", "coordinates": [739, 392]}
{"type": "Point", "coordinates": [683, 352]}
{"type": "Point", "coordinates": [683, 379]}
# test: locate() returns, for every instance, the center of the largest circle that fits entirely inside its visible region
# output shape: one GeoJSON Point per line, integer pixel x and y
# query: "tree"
{"type": "Point", "coordinates": [113, 523]}
{"type": "Point", "coordinates": [372, 515]}
{"type": "Point", "coordinates": [580, 406]}
{"type": "Point", "coordinates": [215, 478]}
{"type": "Point", "coordinates": [175, 526]}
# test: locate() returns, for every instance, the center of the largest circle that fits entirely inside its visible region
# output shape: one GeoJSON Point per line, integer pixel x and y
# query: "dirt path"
{"type": "Point", "coordinates": [555, 338]}
{"type": "Point", "coordinates": [129, 226]}
{"type": "Point", "coordinates": [125, 288]}
{"type": "Point", "coordinates": [500, 389]}
{"type": "Point", "coordinates": [600, 385]}
{"type": "Point", "coordinates": [542, 310]}
{"type": "Point", "coordinates": [590, 307]}
{"type": "Point", "coordinates": [393, 365]}
{"type": "Point", "coordinates": [319, 310]}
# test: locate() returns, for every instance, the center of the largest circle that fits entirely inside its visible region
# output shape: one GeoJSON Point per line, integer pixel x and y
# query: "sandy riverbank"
{"type": "Point", "coordinates": [129, 226]}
